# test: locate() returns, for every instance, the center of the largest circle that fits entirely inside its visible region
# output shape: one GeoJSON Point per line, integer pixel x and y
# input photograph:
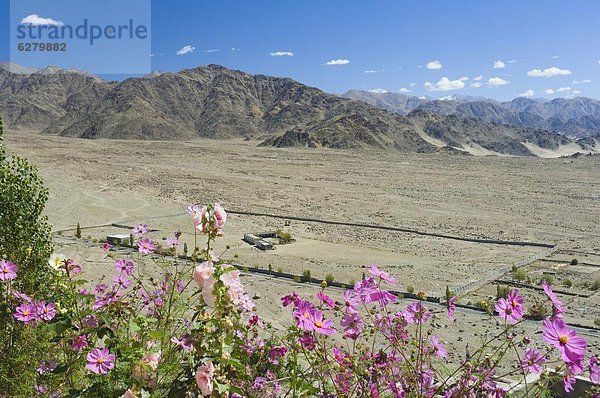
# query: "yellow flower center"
{"type": "Point", "coordinates": [318, 324]}
{"type": "Point", "coordinates": [100, 360]}
{"type": "Point", "coordinates": [5, 270]}
{"type": "Point", "coordinates": [25, 313]}
{"type": "Point", "coordinates": [563, 340]}
{"type": "Point", "coordinates": [305, 315]}
{"type": "Point", "coordinates": [514, 303]}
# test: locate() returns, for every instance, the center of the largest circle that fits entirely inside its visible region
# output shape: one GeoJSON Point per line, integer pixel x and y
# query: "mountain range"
{"type": "Point", "coordinates": [220, 103]}
{"type": "Point", "coordinates": [577, 117]}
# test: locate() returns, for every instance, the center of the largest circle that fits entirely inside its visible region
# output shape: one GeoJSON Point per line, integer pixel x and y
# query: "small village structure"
{"type": "Point", "coordinates": [259, 240]}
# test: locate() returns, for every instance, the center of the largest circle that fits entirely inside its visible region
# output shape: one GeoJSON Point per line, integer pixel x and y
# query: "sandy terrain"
{"type": "Point", "coordinates": [554, 201]}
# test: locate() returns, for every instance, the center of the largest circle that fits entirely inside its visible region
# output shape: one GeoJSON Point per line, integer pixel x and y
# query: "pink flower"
{"type": "Point", "coordinates": [100, 361]}
{"type": "Point", "coordinates": [26, 313]}
{"type": "Point", "coordinates": [79, 342]}
{"type": "Point", "coordinates": [351, 301]}
{"type": "Point", "coordinates": [277, 352]}
{"type": "Point", "coordinates": [47, 366]}
{"type": "Point", "coordinates": [45, 311]}
{"type": "Point", "coordinates": [184, 343]}
{"type": "Point", "coordinates": [152, 360]}
{"type": "Point", "coordinates": [204, 378]}
{"type": "Point", "coordinates": [352, 324]}
{"type": "Point", "coordinates": [173, 243]}
{"type": "Point", "coordinates": [146, 246]}
{"type": "Point", "coordinates": [321, 325]}
{"type": "Point", "coordinates": [204, 272]}
{"type": "Point", "coordinates": [140, 230]}
{"type": "Point", "coordinates": [302, 313]}
{"type": "Point", "coordinates": [123, 265]}
{"type": "Point", "coordinates": [451, 307]}
{"type": "Point", "coordinates": [106, 246]}
{"type": "Point", "coordinates": [220, 217]}
{"type": "Point", "coordinates": [377, 273]}
{"type": "Point", "coordinates": [515, 300]}
{"type": "Point", "coordinates": [437, 347]}
{"type": "Point", "coordinates": [325, 299]}
{"type": "Point", "coordinates": [569, 381]}
{"type": "Point", "coordinates": [231, 280]}
{"type": "Point", "coordinates": [571, 347]}
{"type": "Point", "coordinates": [8, 270]}
{"type": "Point", "coordinates": [417, 313]}
{"type": "Point", "coordinates": [532, 360]}
{"type": "Point", "coordinates": [508, 312]}
{"type": "Point", "coordinates": [556, 303]}
{"type": "Point", "coordinates": [593, 367]}
{"type": "Point", "coordinates": [122, 281]}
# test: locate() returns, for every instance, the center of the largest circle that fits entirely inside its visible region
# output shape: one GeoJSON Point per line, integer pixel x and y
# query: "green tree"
{"type": "Point", "coordinates": [78, 231]}
{"type": "Point", "coordinates": [25, 239]}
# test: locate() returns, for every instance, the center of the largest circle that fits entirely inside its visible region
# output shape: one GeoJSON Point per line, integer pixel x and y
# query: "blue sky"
{"type": "Point", "coordinates": [546, 48]}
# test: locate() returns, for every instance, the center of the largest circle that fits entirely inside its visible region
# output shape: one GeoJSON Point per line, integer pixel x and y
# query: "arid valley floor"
{"type": "Point", "coordinates": [553, 201]}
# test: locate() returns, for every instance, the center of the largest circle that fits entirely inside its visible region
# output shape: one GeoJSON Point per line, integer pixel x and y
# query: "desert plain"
{"type": "Point", "coordinates": [554, 201]}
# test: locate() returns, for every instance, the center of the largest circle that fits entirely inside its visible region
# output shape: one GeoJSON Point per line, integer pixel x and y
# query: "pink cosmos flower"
{"type": "Point", "coordinates": [290, 299]}
{"type": "Point", "coordinates": [124, 265]}
{"type": "Point", "coordinates": [8, 270]}
{"type": "Point", "coordinates": [377, 273]}
{"type": "Point", "coordinates": [532, 360]}
{"type": "Point", "coordinates": [417, 313]}
{"type": "Point", "coordinates": [106, 246]}
{"type": "Point", "coordinates": [593, 367]}
{"type": "Point", "coordinates": [79, 342]}
{"type": "Point", "coordinates": [146, 246]}
{"type": "Point", "coordinates": [45, 311]}
{"type": "Point", "coordinates": [204, 378]}
{"type": "Point", "coordinates": [325, 299]}
{"type": "Point", "coordinates": [508, 312]}
{"type": "Point", "coordinates": [352, 324]}
{"type": "Point", "coordinates": [100, 361]}
{"type": "Point", "coordinates": [451, 307]}
{"type": "Point", "coordinates": [122, 282]}
{"type": "Point", "coordinates": [140, 230]}
{"type": "Point", "coordinates": [302, 313]}
{"type": "Point", "coordinates": [515, 300]}
{"type": "Point", "coordinates": [26, 313]}
{"type": "Point", "coordinates": [569, 382]}
{"type": "Point", "coordinates": [276, 353]}
{"type": "Point", "coordinates": [556, 303]}
{"type": "Point", "coordinates": [47, 366]}
{"type": "Point", "coordinates": [383, 297]}
{"type": "Point", "coordinates": [437, 347]}
{"type": "Point", "coordinates": [365, 288]}
{"type": "Point", "coordinates": [321, 325]}
{"type": "Point", "coordinates": [571, 347]}
{"type": "Point", "coordinates": [173, 243]}
{"type": "Point", "coordinates": [184, 343]}
{"type": "Point", "coordinates": [351, 301]}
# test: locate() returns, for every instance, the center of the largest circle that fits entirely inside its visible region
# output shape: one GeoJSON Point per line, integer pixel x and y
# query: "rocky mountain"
{"type": "Point", "coordinates": [220, 103]}
{"type": "Point", "coordinates": [576, 117]}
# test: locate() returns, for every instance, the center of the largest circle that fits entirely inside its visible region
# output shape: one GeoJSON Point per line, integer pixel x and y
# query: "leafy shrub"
{"type": "Point", "coordinates": [501, 292]}
{"type": "Point", "coordinates": [297, 278]}
{"type": "Point", "coordinates": [520, 275]}
{"type": "Point", "coordinates": [329, 278]}
{"type": "Point", "coordinates": [596, 285]}
{"type": "Point", "coordinates": [410, 289]}
{"type": "Point", "coordinates": [280, 270]}
{"type": "Point", "coordinates": [284, 237]}
{"type": "Point", "coordinates": [574, 261]}
{"type": "Point", "coordinates": [306, 275]}
{"type": "Point", "coordinates": [597, 321]}
{"type": "Point", "coordinates": [78, 231]}
{"type": "Point", "coordinates": [549, 279]}
{"type": "Point", "coordinates": [568, 283]}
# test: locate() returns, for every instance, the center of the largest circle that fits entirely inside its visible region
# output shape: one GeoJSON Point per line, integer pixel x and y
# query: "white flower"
{"type": "Point", "coordinates": [57, 261]}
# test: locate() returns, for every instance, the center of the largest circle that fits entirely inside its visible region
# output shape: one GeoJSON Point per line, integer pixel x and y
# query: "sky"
{"type": "Point", "coordinates": [498, 49]}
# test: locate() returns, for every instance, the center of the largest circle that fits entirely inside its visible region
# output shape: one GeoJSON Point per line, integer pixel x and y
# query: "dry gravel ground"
{"type": "Point", "coordinates": [544, 200]}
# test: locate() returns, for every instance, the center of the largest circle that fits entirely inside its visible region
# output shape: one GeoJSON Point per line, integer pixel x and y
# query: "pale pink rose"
{"type": "Point", "coordinates": [204, 378]}
{"type": "Point", "coordinates": [128, 394]}
{"type": "Point", "coordinates": [208, 291]}
{"type": "Point", "coordinates": [234, 286]}
{"type": "Point", "coordinates": [203, 272]}
{"type": "Point", "coordinates": [220, 218]}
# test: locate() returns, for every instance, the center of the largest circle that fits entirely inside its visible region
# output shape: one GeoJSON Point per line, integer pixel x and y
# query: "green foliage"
{"type": "Point", "coordinates": [501, 292]}
{"type": "Point", "coordinates": [2, 148]}
{"type": "Point", "coordinates": [78, 231]}
{"type": "Point", "coordinates": [410, 289]}
{"type": "Point", "coordinates": [297, 278]}
{"type": "Point", "coordinates": [280, 270]}
{"type": "Point", "coordinates": [185, 248]}
{"type": "Point", "coordinates": [568, 283]}
{"type": "Point", "coordinates": [574, 261]}
{"type": "Point", "coordinates": [284, 237]}
{"type": "Point", "coordinates": [306, 275]}
{"type": "Point", "coordinates": [520, 275]}
{"type": "Point", "coordinates": [329, 278]}
{"type": "Point", "coordinates": [538, 310]}
{"type": "Point", "coordinates": [597, 321]}
{"type": "Point", "coordinates": [549, 279]}
{"type": "Point", "coordinates": [596, 285]}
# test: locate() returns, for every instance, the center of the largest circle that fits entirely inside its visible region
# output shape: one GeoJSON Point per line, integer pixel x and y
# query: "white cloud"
{"type": "Point", "coordinates": [234, 49]}
{"type": "Point", "coordinates": [156, 54]}
{"type": "Point", "coordinates": [549, 91]}
{"type": "Point", "coordinates": [212, 50]}
{"type": "Point", "coordinates": [478, 78]}
{"type": "Point", "coordinates": [339, 61]}
{"type": "Point", "coordinates": [374, 71]}
{"type": "Point", "coordinates": [282, 54]}
{"type": "Point", "coordinates": [36, 20]}
{"type": "Point", "coordinates": [422, 97]}
{"type": "Point", "coordinates": [549, 72]}
{"type": "Point", "coordinates": [528, 93]}
{"type": "Point", "coordinates": [585, 81]}
{"type": "Point", "coordinates": [445, 84]}
{"type": "Point", "coordinates": [186, 50]}
{"type": "Point", "coordinates": [434, 65]}
{"type": "Point", "coordinates": [378, 91]}
{"type": "Point", "coordinates": [405, 90]}
{"type": "Point", "coordinates": [412, 84]}
{"type": "Point", "coordinates": [554, 57]}
{"type": "Point", "coordinates": [476, 84]}
{"type": "Point", "coordinates": [575, 92]}
{"type": "Point", "coordinates": [446, 98]}
{"type": "Point", "coordinates": [563, 89]}
{"type": "Point", "coordinates": [499, 64]}
{"type": "Point", "coordinates": [496, 82]}
{"type": "Point", "coordinates": [511, 61]}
